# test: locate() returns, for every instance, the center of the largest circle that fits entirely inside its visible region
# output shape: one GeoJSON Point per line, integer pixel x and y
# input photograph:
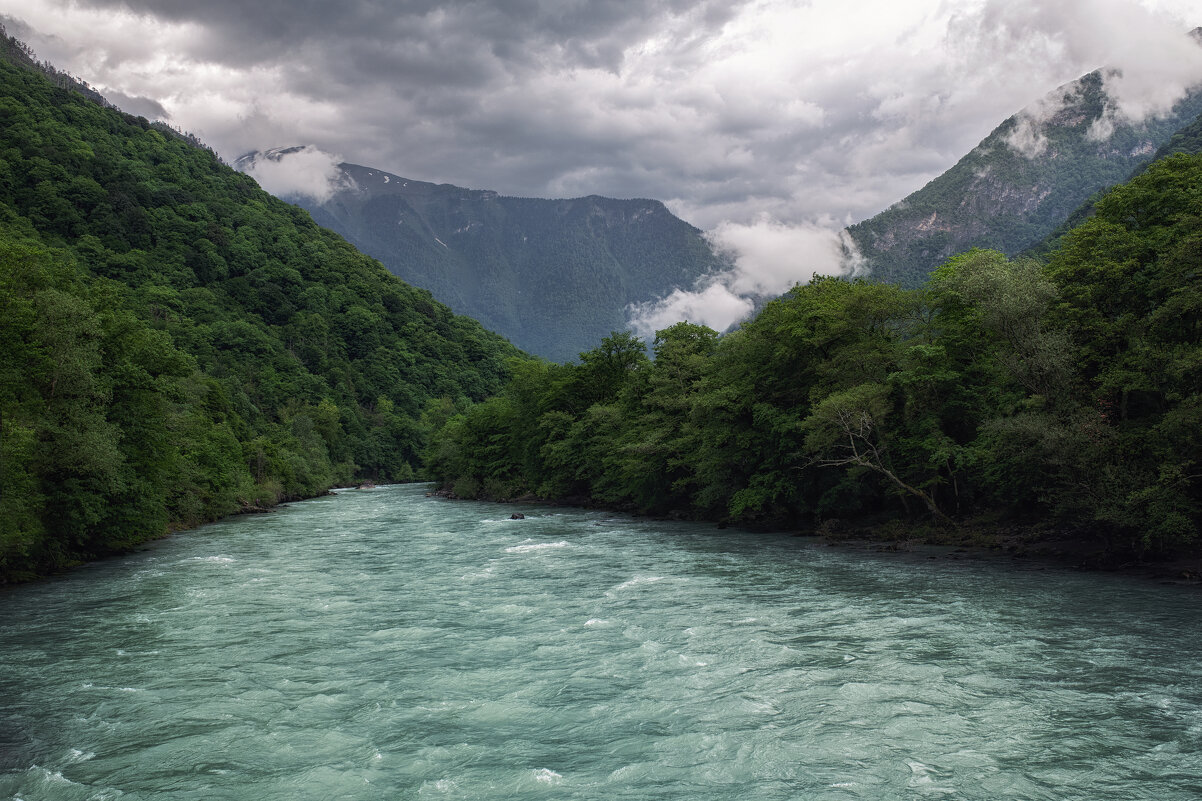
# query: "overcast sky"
{"type": "Point", "coordinates": [759, 120]}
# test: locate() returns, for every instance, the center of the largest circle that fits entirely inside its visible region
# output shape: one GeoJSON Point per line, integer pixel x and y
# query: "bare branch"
{"type": "Point", "coordinates": [861, 450]}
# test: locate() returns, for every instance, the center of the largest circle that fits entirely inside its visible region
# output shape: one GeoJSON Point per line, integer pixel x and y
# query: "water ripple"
{"type": "Point", "coordinates": [384, 645]}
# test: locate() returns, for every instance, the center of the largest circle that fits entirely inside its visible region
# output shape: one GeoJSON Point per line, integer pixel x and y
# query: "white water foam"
{"type": "Point", "coordinates": [540, 546]}
{"type": "Point", "coordinates": [634, 582]}
{"type": "Point", "coordinates": [546, 776]}
{"type": "Point", "coordinates": [486, 573]}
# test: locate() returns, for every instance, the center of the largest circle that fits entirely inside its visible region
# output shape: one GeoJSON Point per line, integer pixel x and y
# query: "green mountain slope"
{"type": "Point", "coordinates": [1187, 140]}
{"type": "Point", "coordinates": [553, 276]}
{"type": "Point", "coordinates": [176, 344]}
{"type": "Point", "coordinates": [1064, 396]}
{"type": "Point", "coordinates": [1016, 187]}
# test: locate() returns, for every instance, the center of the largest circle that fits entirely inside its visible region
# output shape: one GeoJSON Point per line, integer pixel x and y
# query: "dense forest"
{"type": "Point", "coordinates": [177, 345]}
{"type": "Point", "coordinates": [1066, 390]}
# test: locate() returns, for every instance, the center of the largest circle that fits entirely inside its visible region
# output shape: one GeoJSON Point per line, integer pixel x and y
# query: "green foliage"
{"type": "Point", "coordinates": [176, 345]}
{"type": "Point", "coordinates": [1187, 140]}
{"type": "Point", "coordinates": [1069, 392]}
{"type": "Point", "coordinates": [1132, 303]}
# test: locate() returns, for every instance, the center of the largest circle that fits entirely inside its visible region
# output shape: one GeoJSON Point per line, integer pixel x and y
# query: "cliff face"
{"type": "Point", "coordinates": [554, 276]}
{"type": "Point", "coordinates": [1019, 184]}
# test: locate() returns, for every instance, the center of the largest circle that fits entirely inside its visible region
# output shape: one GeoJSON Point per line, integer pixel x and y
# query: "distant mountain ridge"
{"type": "Point", "coordinates": [554, 276]}
{"type": "Point", "coordinates": [1021, 183]}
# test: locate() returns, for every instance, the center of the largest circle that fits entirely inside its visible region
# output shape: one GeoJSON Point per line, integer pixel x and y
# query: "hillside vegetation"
{"type": "Point", "coordinates": [1067, 392]}
{"type": "Point", "coordinates": [177, 345]}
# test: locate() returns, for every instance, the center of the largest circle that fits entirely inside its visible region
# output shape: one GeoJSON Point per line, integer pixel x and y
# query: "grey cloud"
{"type": "Point", "coordinates": [15, 26]}
{"type": "Point", "coordinates": [529, 97]}
{"type": "Point", "coordinates": [517, 32]}
{"type": "Point", "coordinates": [816, 114]}
{"type": "Point", "coordinates": [146, 107]}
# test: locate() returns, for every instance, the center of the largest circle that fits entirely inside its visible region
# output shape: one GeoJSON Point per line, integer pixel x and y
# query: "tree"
{"type": "Point", "coordinates": [844, 431]}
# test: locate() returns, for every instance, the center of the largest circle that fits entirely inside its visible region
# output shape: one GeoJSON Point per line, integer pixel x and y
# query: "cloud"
{"type": "Point", "coordinates": [146, 107]}
{"type": "Point", "coordinates": [1147, 61]}
{"type": "Point", "coordinates": [306, 171]}
{"type": "Point", "coordinates": [768, 258]}
{"type": "Point", "coordinates": [733, 112]}
{"type": "Point", "coordinates": [712, 303]}
{"type": "Point", "coordinates": [1151, 75]}
{"type": "Point", "coordinates": [725, 109]}
{"type": "Point", "coordinates": [1028, 135]}
{"type": "Point", "coordinates": [1101, 129]}
{"type": "Point", "coordinates": [1027, 138]}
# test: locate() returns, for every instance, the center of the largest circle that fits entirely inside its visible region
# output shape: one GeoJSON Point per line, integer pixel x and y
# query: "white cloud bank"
{"type": "Point", "coordinates": [304, 171]}
{"type": "Point", "coordinates": [767, 256]}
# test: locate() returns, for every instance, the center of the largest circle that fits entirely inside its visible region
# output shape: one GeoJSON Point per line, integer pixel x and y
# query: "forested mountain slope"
{"type": "Point", "coordinates": [553, 276]}
{"type": "Point", "coordinates": [1019, 184]}
{"type": "Point", "coordinates": [1187, 140]}
{"type": "Point", "coordinates": [176, 344]}
{"type": "Point", "coordinates": [1065, 393]}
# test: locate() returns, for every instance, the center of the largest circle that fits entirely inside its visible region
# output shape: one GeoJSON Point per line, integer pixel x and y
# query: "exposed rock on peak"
{"type": "Point", "coordinates": [1020, 183]}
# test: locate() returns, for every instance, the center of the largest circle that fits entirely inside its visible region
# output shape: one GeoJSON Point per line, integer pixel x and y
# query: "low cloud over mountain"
{"type": "Point", "coordinates": [815, 114]}
{"type": "Point", "coordinates": [725, 109]}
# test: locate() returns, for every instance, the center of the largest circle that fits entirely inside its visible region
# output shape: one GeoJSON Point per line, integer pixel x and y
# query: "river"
{"type": "Point", "coordinates": [378, 644]}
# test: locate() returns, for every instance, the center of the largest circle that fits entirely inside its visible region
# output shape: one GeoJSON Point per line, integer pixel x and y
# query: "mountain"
{"type": "Point", "coordinates": [1020, 183]}
{"type": "Point", "coordinates": [177, 345]}
{"type": "Point", "coordinates": [1188, 140]}
{"type": "Point", "coordinates": [554, 276]}
{"type": "Point", "coordinates": [1064, 395]}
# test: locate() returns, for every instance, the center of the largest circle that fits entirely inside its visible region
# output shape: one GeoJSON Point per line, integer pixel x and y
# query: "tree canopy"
{"type": "Point", "coordinates": [177, 345]}
{"type": "Point", "coordinates": [1068, 390]}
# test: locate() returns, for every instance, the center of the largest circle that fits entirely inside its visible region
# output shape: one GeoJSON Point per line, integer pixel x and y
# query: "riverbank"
{"type": "Point", "coordinates": [1042, 546]}
{"type": "Point", "coordinates": [258, 506]}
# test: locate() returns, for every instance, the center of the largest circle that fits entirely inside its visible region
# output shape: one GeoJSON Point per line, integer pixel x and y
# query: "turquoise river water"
{"type": "Point", "coordinates": [378, 644]}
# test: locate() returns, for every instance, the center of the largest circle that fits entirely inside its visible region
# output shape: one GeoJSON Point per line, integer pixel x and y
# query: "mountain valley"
{"type": "Point", "coordinates": [554, 276]}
